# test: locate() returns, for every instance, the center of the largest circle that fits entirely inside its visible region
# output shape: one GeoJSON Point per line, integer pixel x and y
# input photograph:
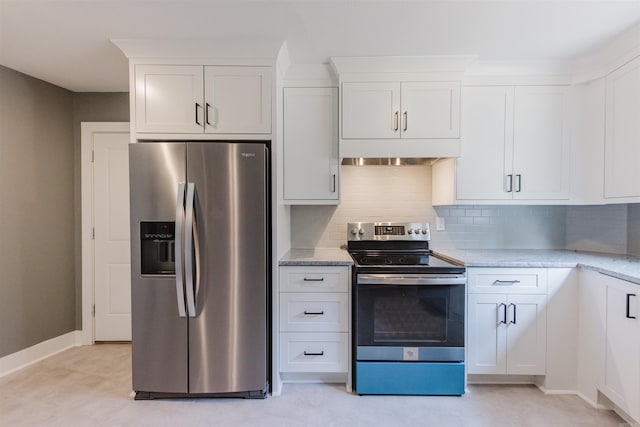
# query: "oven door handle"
{"type": "Point", "coordinates": [410, 279]}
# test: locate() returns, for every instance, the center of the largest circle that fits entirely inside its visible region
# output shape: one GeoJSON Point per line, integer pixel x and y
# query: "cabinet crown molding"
{"type": "Point", "coordinates": [200, 48]}
{"type": "Point", "coordinates": [401, 64]}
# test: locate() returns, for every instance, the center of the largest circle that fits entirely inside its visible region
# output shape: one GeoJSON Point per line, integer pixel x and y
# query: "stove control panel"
{"type": "Point", "coordinates": [388, 231]}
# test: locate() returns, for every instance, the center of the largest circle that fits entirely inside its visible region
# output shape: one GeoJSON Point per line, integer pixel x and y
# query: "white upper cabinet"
{"type": "Point", "coordinates": [430, 110]}
{"type": "Point", "coordinates": [487, 144]}
{"type": "Point", "coordinates": [237, 99]}
{"type": "Point", "coordinates": [370, 110]}
{"type": "Point", "coordinates": [311, 165]}
{"type": "Point", "coordinates": [622, 137]}
{"type": "Point", "coordinates": [193, 99]}
{"type": "Point", "coordinates": [515, 144]}
{"type": "Point", "coordinates": [169, 98]}
{"type": "Point", "coordinates": [541, 163]}
{"type": "Point", "coordinates": [394, 110]}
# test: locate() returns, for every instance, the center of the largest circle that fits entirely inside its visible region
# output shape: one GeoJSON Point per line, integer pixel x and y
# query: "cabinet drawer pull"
{"type": "Point", "coordinates": [314, 313]}
{"type": "Point", "coordinates": [629, 316]}
{"type": "Point", "coordinates": [313, 353]}
{"type": "Point", "coordinates": [306, 279]}
{"type": "Point", "coordinates": [505, 282]}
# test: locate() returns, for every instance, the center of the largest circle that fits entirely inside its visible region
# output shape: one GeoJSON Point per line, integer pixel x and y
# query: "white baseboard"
{"type": "Point", "coordinates": [551, 391]}
{"type": "Point", "coordinates": [23, 358]}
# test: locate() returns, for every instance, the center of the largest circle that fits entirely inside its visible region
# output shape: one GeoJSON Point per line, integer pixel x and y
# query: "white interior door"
{"type": "Point", "coordinates": [112, 271]}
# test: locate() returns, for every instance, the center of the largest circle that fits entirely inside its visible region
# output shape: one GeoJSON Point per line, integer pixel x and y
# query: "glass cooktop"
{"type": "Point", "coordinates": [423, 259]}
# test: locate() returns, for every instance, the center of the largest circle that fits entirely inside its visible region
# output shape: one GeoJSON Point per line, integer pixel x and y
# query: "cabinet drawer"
{"type": "Point", "coordinates": [507, 280]}
{"type": "Point", "coordinates": [314, 312]}
{"type": "Point", "coordinates": [314, 279]}
{"type": "Point", "coordinates": [313, 352]}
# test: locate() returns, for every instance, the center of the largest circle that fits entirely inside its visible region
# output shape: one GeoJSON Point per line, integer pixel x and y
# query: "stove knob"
{"type": "Point", "coordinates": [424, 231]}
{"type": "Point", "coordinates": [354, 231]}
{"type": "Point", "coordinates": [410, 231]}
{"type": "Point", "coordinates": [361, 232]}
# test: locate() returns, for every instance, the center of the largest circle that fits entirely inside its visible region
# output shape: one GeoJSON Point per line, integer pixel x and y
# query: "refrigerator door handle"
{"type": "Point", "coordinates": [189, 230]}
{"type": "Point", "coordinates": [178, 251]}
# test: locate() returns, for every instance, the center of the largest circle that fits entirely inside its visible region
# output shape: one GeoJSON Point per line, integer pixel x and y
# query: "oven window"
{"type": "Point", "coordinates": [402, 318]}
{"type": "Point", "coordinates": [413, 316]}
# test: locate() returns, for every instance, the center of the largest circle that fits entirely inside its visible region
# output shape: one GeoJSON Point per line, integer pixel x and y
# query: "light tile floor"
{"type": "Point", "coordinates": [91, 386]}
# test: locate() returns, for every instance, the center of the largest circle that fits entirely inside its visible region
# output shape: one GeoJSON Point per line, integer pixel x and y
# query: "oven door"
{"type": "Point", "coordinates": [410, 317]}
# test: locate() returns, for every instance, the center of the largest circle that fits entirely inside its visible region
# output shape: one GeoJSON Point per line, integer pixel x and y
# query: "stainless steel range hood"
{"type": "Point", "coordinates": [388, 161]}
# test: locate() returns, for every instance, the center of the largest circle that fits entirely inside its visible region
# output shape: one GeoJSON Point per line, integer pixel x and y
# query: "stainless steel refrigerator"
{"type": "Point", "coordinates": [200, 249]}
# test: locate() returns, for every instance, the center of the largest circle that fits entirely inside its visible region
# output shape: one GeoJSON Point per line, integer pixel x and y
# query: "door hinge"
{"type": "Point", "coordinates": [93, 310]}
{"type": "Point", "coordinates": [93, 156]}
{"type": "Point", "coordinates": [93, 233]}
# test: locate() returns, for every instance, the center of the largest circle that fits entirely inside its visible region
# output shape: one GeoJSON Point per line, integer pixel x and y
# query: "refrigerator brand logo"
{"type": "Point", "coordinates": [247, 155]}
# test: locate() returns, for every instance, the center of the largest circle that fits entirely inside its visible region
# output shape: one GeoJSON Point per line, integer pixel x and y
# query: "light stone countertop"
{"type": "Point", "coordinates": [620, 266]}
{"type": "Point", "coordinates": [318, 256]}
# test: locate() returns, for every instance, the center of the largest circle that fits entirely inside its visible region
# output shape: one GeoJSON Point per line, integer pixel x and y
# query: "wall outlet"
{"type": "Point", "coordinates": [439, 223]}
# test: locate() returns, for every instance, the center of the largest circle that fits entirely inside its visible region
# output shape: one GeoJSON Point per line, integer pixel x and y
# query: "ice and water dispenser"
{"type": "Point", "coordinates": [157, 243]}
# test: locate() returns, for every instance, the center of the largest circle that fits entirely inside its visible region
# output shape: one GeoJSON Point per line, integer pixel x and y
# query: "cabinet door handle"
{"type": "Point", "coordinates": [197, 120]}
{"type": "Point", "coordinates": [504, 313]}
{"type": "Point", "coordinates": [206, 113]}
{"type": "Point", "coordinates": [314, 313]}
{"type": "Point", "coordinates": [506, 282]}
{"type": "Point", "coordinates": [396, 118]}
{"type": "Point", "coordinates": [513, 320]}
{"type": "Point", "coordinates": [519, 188]}
{"type": "Point", "coordinates": [406, 121]}
{"type": "Point", "coordinates": [314, 353]}
{"type": "Point", "coordinates": [306, 279]}
{"type": "Point", "coordinates": [333, 185]}
{"type": "Point", "coordinates": [629, 316]}
{"type": "Point", "coordinates": [509, 183]}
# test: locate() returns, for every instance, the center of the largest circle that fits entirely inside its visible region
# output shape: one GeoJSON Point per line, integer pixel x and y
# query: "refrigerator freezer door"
{"type": "Point", "coordinates": [159, 335]}
{"type": "Point", "coordinates": [228, 345]}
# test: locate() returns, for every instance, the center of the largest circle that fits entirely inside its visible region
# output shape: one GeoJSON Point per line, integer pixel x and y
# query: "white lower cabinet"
{"type": "Point", "coordinates": [622, 346]}
{"type": "Point", "coordinates": [507, 334]}
{"type": "Point", "coordinates": [313, 352]}
{"type": "Point", "coordinates": [507, 324]}
{"type": "Point", "coordinates": [314, 323]}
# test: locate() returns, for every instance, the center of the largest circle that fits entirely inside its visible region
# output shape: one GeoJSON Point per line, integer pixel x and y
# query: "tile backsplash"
{"type": "Point", "coordinates": [403, 193]}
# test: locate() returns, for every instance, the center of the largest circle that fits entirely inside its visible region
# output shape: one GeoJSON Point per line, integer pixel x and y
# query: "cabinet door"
{"type": "Point", "coordinates": [430, 110]}
{"type": "Point", "coordinates": [540, 143]}
{"type": "Point", "coordinates": [592, 299]}
{"type": "Point", "coordinates": [486, 334]}
{"type": "Point", "coordinates": [526, 334]}
{"type": "Point", "coordinates": [169, 98]}
{"type": "Point", "coordinates": [484, 168]}
{"type": "Point", "coordinates": [370, 110]}
{"type": "Point", "coordinates": [311, 145]}
{"type": "Point", "coordinates": [622, 138]}
{"type": "Point", "coordinates": [238, 100]}
{"type": "Point", "coordinates": [622, 371]}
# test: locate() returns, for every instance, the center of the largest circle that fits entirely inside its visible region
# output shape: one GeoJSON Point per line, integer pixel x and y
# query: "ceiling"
{"type": "Point", "coordinates": [67, 42]}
